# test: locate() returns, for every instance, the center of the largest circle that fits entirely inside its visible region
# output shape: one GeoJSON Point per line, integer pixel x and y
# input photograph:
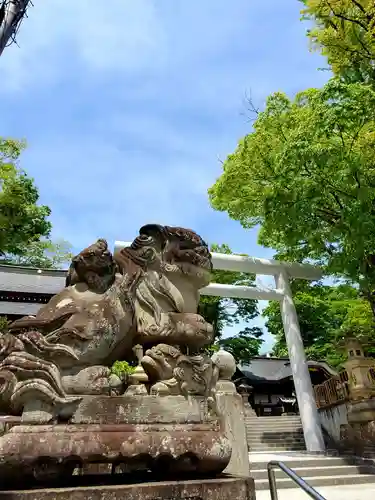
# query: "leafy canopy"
{"type": "Point", "coordinates": [24, 228]}
{"type": "Point", "coordinates": [344, 32]}
{"type": "Point", "coordinates": [244, 345]}
{"type": "Point", "coordinates": [306, 174]}
{"type": "Point", "coordinates": [223, 312]}
{"type": "Point", "coordinates": [326, 314]}
{"type": "Point", "coordinates": [43, 254]}
{"type": "Point", "coordinates": [22, 221]}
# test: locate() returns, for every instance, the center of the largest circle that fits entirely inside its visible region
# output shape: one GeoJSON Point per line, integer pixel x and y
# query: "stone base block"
{"type": "Point", "coordinates": [226, 487]}
{"type": "Point", "coordinates": [58, 449]}
{"type": "Point", "coordinates": [170, 435]}
{"type": "Point", "coordinates": [361, 412]}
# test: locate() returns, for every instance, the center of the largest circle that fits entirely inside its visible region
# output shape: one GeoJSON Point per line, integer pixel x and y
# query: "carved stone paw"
{"type": "Point", "coordinates": [166, 388]}
{"type": "Point", "coordinates": [116, 384]}
{"type": "Point", "coordinates": [91, 381]}
{"type": "Point", "coordinates": [192, 329]}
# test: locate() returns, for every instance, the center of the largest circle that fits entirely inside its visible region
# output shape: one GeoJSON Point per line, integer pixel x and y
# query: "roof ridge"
{"type": "Point", "coordinates": [11, 268]}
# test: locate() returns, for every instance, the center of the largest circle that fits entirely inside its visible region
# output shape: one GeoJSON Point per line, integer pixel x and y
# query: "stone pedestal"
{"type": "Point", "coordinates": [222, 488]}
{"type": "Point", "coordinates": [358, 435]}
{"type": "Point", "coordinates": [231, 408]}
{"type": "Point", "coordinates": [167, 434]}
{"type": "Point", "coordinates": [361, 412]}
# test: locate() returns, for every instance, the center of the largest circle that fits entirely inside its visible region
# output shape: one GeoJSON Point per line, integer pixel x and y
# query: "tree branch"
{"type": "Point", "coordinates": [360, 7]}
{"type": "Point", "coordinates": [341, 16]}
{"type": "Point", "coordinates": [338, 201]}
{"type": "Point", "coordinates": [355, 174]}
{"type": "Point", "coordinates": [341, 136]}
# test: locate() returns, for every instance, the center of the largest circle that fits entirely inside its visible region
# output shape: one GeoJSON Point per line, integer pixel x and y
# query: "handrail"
{"type": "Point", "coordinates": [295, 477]}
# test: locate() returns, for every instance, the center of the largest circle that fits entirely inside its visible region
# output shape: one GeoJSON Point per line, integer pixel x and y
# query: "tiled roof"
{"type": "Point", "coordinates": [19, 308]}
{"type": "Point", "coordinates": [275, 369]}
{"type": "Point", "coordinates": [30, 280]}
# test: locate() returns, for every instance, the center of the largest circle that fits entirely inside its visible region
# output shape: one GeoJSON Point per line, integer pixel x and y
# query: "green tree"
{"type": "Point", "coordinates": [306, 175]}
{"type": "Point", "coordinates": [243, 346]}
{"type": "Point", "coordinates": [344, 32]}
{"type": "Point", "coordinates": [24, 228]}
{"type": "Point", "coordinates": [22, 220]}
{"type": "Point", "coordinates": [326, 314]}
{"type": "Point", "coordinates": [44, 254]}
{"type": "Point", "coordinates": [223, 312]}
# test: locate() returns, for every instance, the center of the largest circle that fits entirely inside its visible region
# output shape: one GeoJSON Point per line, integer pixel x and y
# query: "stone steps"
{"type": "Point", "coordinates": [319, 471]}
{"type": "Point", "coordinates": [276, 441]}
{"type": "Point", "coordinates": [277, 447]}
{"type": "Point", "coordinates": [344, 492]}
{"type": "Point", "coordinates": [316, 470]}
{"type": "Point", "coordinates": [320, 481]}
{"type": "Point", "coordinates": [274, 444]}
{"type": "Point", "coordinates": [259, 461]}
{"type": "Point", "coordinates": [274, 428]}
{"type": "Point", "coordinates": [274, 433]}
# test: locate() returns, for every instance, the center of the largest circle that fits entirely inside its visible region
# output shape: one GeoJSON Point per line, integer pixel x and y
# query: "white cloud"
{"type": "Point", "coordinates": [96, 189]}
{"type": "Point", "coordinates": [91, 33]}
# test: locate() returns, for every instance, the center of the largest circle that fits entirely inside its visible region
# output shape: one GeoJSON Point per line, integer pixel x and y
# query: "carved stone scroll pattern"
{"type": "Point", "coordinates": [144, 294]}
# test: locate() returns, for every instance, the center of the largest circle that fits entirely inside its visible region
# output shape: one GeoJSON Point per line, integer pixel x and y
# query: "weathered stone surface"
{"type": "Point", "coordinates": [223, 488]}
{"type": "Point", "coordinates": [146, 293]}
{"type": "Point", "coordinates": [358, 438]}
{"type": "Point", "coordinates": [55, 367]}
{"type": "Point", "coordinates": [225, 363]}
{"type": "Point", "coordinates": [200, 448]}
{"type": "Point", "coordinates": [7, 422]}
{"type": "Point", "coordinates": [140, 410]}
{"type": "Point", "coordinates": [174, 373]}
{"type": "Point", "coordinates": [362, 411]}
{"type": "Point", "coordinates": [231, 409]}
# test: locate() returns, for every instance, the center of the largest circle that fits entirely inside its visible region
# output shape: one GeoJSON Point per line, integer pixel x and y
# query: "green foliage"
{"type": "Point", "coordinates": [211, 349]}
{"type": "Point", "coordinates": [344, 32]}
{"type": "Point", "coordinates": [4, 323]}
{"type": "Point", "coordinates": [22, 221]}
{"type": "Point", "coordinates": [43, 254]}
{"type": "Point", "coordinates": [243, 346]}
{"type": "Point", "coordinates": [24, 228]}
{"type": "Point", "coordinates": [326, 314]}
{"type": "Point", "coordinates": [122, 369]}
{"type": "Point", "coordinates": [306, 174]}
{"type": "Point", "coordinates": [223, 312]}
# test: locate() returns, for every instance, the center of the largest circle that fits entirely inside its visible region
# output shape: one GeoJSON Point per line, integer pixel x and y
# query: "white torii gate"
{"type": "Point", "coordinates": [281, 271]}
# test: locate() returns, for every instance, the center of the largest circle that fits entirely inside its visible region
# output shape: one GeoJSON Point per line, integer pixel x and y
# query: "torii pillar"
{"type": "Point", "coordinates": [301, 376]}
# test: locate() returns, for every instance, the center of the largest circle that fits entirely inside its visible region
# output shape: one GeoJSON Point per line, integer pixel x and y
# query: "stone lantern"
{"type": "Point", "coordinates": [360, 370]}
{"type": "Point", "coordinates": [244, 390]}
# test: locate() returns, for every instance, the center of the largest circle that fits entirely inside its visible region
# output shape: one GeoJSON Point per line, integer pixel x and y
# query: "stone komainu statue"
{"type": "Point", "coordinates": [146, 294]}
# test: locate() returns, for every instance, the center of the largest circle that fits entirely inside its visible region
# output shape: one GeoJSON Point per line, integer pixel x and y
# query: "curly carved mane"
{"type": "Point", "coordinates": [155, 251]}
{"type": "Point", "coordinates": [153, 289]}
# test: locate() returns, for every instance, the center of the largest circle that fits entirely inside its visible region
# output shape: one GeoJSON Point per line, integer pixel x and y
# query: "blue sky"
{"type": "Point", "coordinates": [128, 105]}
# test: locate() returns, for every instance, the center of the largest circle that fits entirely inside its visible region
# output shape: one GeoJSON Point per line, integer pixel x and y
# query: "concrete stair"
{"type": "Point", "coordinates": [318, 471]}
{"type": "Point", "coordinates": [345, 492]}
{"type": "Point", "coordinates": [274, 433]}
